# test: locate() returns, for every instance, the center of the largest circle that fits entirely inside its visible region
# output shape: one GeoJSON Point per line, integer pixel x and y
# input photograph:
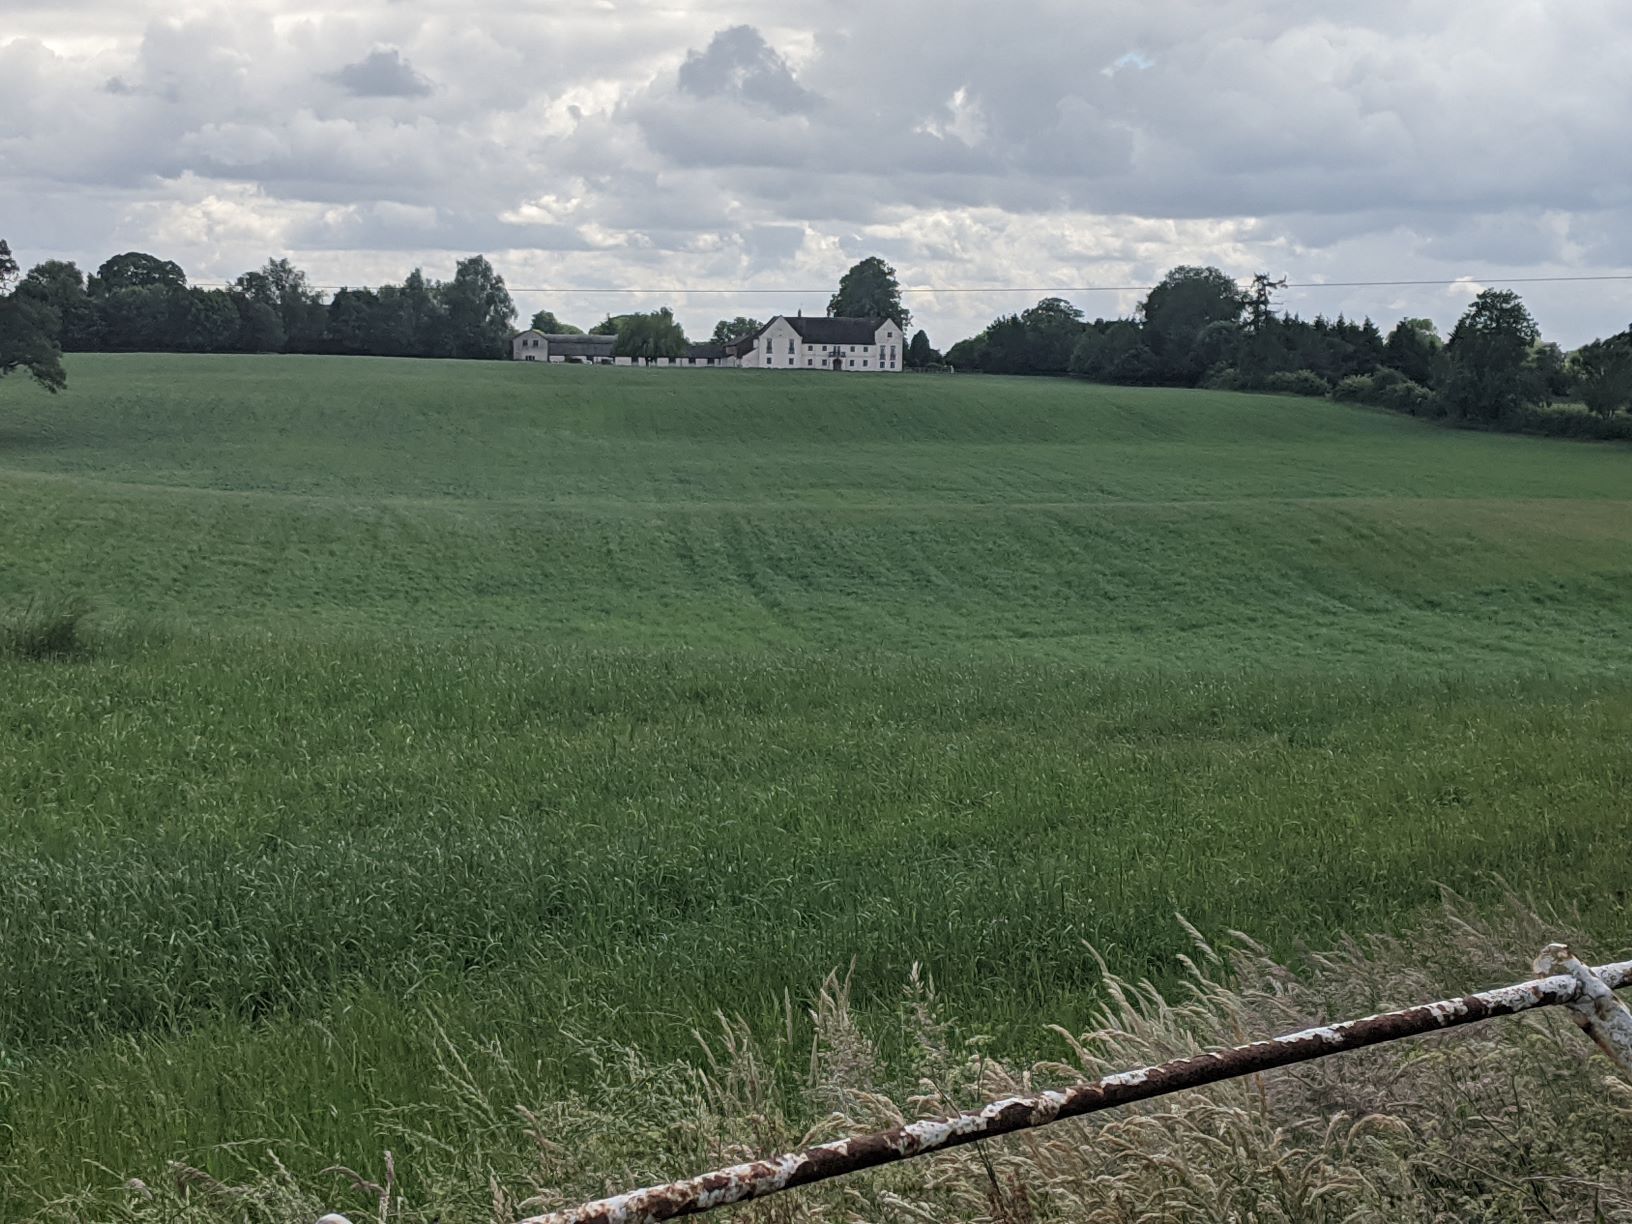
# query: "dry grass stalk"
{"type": "Point", "coordinates": [1519, 1119]}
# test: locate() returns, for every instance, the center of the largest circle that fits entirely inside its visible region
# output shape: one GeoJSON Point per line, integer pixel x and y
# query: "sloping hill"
{"type": "Point", "coordinates": [731, 509]}
{"type": "Point", "coordinates": [480, 722]}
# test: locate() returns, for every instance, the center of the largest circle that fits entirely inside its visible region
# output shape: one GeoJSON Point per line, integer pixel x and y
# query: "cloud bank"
{"type": "Point", "coordinates": [720, 144]}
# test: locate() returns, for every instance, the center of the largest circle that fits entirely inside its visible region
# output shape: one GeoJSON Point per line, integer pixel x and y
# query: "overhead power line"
{"type": "Point", "coordinates": [1054, 290]}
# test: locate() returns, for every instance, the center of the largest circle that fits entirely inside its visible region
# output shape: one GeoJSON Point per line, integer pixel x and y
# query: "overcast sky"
{"type": "Point", "coordinates": [1029, 143]}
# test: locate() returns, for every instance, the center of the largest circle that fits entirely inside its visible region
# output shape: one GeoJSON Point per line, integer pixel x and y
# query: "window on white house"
{"type": "Point", "coordinates": [790, 344]}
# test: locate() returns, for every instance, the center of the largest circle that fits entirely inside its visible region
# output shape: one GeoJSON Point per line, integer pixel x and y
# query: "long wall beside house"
{"type": "Point", "coordinates": [785, 343]}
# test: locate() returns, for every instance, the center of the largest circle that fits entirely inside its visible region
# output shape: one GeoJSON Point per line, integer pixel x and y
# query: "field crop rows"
{"type": "Point", "coordinates": [566, 707]}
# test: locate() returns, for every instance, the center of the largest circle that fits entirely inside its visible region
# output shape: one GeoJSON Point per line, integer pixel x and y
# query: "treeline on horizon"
{"type": "Point", "coordinates": [1198, 328]}
{"type": "Point", "coordinates": [137, 302]}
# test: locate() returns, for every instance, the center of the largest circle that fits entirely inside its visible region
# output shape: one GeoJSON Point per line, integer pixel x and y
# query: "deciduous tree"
{"type": "Point", "coordinates": [727, 330]}
{"type": "Point", "coordinates": [284, 287]}
{"type": "Point", "coordinates": [870, 291]}
{"type": "Point", "coordinates": [479, 310]}
{"type": "Point", "coordinates": [136, 270]}
{"type": "Point", "coordinates": [1186, 301]}
{"type": "Point", "coordinates": [1601, 373]}
{"type": "Point", "coordinates": [27, 331]}
{"type": "Point", "coordinates": [1413, 349]}
{"type": "Point", "coordinates": [546, 322]}
{"type": "Point", "coordinates": [1490, 355]}
{"type": "Point", "coordinates": [1053, 327]}
{"type": "Point", "coordinates": [61, 286]}
{"type": "Point", "coordinates": [919, 353]}
{"type": "Point", "coordinates": [643, 335]}
{"type": "Point", "coordinates": [259, 328]}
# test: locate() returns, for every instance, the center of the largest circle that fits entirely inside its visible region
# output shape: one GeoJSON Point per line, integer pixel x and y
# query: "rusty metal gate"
{"type": "Point", "coordinates": [1587, 992]}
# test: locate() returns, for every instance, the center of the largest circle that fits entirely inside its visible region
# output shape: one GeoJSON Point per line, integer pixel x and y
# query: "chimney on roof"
{"type": "Point", "coordinates": [801, 312]}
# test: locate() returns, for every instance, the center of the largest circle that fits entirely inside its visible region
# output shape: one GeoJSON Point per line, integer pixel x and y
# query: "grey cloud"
{"type": "Point", "coordinates": [676, 142]}
{"type": "Point", "coordinates": [740, 65]}
{"type": "Point", "coordinates": [382, 73]}
{"type": "Point", "coordinates": [385, 227]}
{"type": "Point", "coordinates": [773, 244]}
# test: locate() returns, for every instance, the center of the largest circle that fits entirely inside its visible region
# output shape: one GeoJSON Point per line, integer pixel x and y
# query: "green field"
{"type": "Point", "coordinates": [553, 706]}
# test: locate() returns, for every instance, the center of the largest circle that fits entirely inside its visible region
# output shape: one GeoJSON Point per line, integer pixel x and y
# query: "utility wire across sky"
{"type": "Point", "coordinates": [1054, 290]}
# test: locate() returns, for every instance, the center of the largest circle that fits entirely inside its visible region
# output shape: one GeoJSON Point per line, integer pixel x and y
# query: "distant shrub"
{"type": "Point", "coordinates": [1355, 389]}
{"type": "Point", "coordinates": [1387, 389]}
{"type": "Point", "coordinates": [1225, 378]}
{"type": "Point", "coordinates": [1391, 389]}
{"type": "Point", "coordinates": [1135, 368]}
{"type": "Point", "coordinates": [46, 628]}
{"type": "Point", "coordinates": [1297, 382]}
{"type": "Point", "coordinates": [1569, 421]}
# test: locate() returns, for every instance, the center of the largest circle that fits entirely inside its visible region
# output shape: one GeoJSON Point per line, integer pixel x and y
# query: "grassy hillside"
{"type": "Point", "coordinates": [554, 706]}
{"type": "Point", "coordinates": [730, 510]}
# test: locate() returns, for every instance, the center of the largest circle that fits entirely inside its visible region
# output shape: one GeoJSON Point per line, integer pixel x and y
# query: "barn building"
{"type": "Point", "coordinates": [863, 346]}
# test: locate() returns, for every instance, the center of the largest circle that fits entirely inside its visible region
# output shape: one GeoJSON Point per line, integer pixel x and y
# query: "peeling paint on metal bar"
{"type": "Point", "coordinates": [1598, 1012]}
{"type": "Point", "coordinates": [762, 1177]}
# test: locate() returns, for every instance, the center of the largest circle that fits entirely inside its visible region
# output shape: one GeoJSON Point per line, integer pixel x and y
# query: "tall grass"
{"type": "Point", "coordinates": [551, 712]}
{"type": "Point", "coordinates": [46, 628]}
{"type": "Point", "coordinates": [1517, 1119]}
{"type": "Point", "coordinates": [268, 874]}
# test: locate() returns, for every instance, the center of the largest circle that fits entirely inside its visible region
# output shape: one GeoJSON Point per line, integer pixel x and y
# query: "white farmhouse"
{"type": "Point", "coordinates": [863, 346]}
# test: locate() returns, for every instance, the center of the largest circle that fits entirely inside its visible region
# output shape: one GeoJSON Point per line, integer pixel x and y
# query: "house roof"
{"type": "Point", "coordinates": [819, 329]}
{"type": "Point", "coordinates": [713, 352]}
{"type": "Point", "coordinates": [579, 346]}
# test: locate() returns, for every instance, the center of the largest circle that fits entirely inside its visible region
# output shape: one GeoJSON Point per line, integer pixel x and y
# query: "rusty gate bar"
{"type": "Point", "coordinates": [1582, 989]}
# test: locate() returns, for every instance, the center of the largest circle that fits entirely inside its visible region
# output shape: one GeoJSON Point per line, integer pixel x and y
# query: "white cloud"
{"type": "Point", "coordinates": [645, 143]}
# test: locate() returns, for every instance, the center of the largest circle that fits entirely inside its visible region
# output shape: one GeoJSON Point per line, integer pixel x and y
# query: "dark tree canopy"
{"type": "Point", "coordinates": [479, 310]}
{"type": "Point", "coordinates": [1114, 352]}
{"type": "Point", "coordinates": [870, 291]}
{"type": "Point", "coordinates": [1601, 373]}
{"type": "Point", "coordinates": [546, 322]}
{"type": "Point", "coordinates": [650, 334]}
{"type": "Point", "coordinates": [1053, 327]}
{"type": "Point", "coordinates": [259, 328]}
{"type": "Point", "coordinates": [727, 330]}
{"type": "Point", "coordinates": [61, 286]}
{"type": "Point", "coordinates": [1413, 349]}
{"type": "Point", "coordinates": [284, 288]}
{"type": "Point", "coordinates": [1490, 353]}
{"type": "Point", "coordinates": [28, 331]}
{"type": "Point", "coordinates": [919, 353]}
{"type": "Point", "coordinates": [137, 270]}
{"type": "Point", "coordinates": [1180, 308]}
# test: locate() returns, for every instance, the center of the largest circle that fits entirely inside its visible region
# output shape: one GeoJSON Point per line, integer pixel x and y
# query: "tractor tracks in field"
{"type": "Point", "coordinates": [617, 506]}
